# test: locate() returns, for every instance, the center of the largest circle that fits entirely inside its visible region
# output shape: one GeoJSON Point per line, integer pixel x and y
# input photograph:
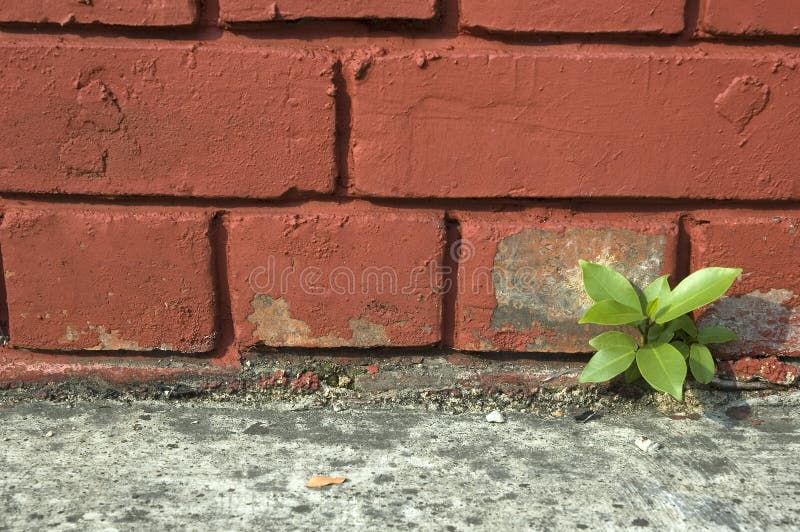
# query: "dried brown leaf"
{"type": "Point", "coordinates": [317, 481]}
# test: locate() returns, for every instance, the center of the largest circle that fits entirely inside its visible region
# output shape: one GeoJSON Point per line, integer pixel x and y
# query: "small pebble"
{"type": "Point", "coordinates": [647, 445]}
{"type": "Point", "coordinates": [495, 416]}
{"type": "Point", "coordinates": [586, 416]}
{"type": "Point", "coordinates": [49, 434]}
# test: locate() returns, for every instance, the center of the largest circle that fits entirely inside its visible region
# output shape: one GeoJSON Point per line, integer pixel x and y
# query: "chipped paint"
{"type": "Point", "coordinates": [71, 335]}
{"type": "Point", "coordinates": [538, 289]}
{"type": "Point", "coordinates": [744, 98]}
{"type": "Point", "coordinates": [275, 326]}
{"type": "Point", "coordinates": [766, 322]}
{"type": "Point", "coordinates": [367, 333]}
{"type": "Point", "coordinates": [108, 340]}
{"type": "Point", "coordinates": [770, 369]}
{"type": "Point", "coordinates": [111, 340]}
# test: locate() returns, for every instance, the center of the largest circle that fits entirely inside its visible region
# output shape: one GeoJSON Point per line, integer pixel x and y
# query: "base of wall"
{"type": "Point", "coordinates": [440, 380]}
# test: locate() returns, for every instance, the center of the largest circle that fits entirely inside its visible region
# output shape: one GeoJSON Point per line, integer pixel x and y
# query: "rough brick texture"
{"type": "Point", "coordinates": [661, 124]}
{"type": "Point", "coordinates": [85, 278]}
{"type": "Point", "coordinates": [182, 121]}
{"type": "Point", "coordinates": [222, 177]}
{"type": "Point", "coordinates": [324, 275]}
{"type": "Point", "coordinates": [769, 369]}
{"type": "Point", "coordinates": [574, 16]}
{"type": "Point", "coordinates": [763, 305]}
{"type": "Point", "coordinates": [519, 283]}
{"type": "Point", "coordinates": [118, 12]}
{"type": "Point", "coordinates": [267, 10]}
{"type": "Point", "coordinates": [750, 17]}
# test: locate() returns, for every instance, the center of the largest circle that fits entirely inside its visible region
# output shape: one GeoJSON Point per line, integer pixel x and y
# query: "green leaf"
{"type": "Point", "coordinates": [716, 335]}
{"type": "Point", "coordinates": [656, 292]}
{"type": "Point", "coordinates": [608, 363]}
{"type": "Point", "coordinates": [654, 332]}
{"type": "Point", "coordinates": [700, 288]}
{"type": "Point", "coordinates": [632, 374]}
{"type": "Point", "coordinates": [683, 323]}
{"type": "Point", "coordinates": [701, 363]}
{"type": "Point", "coordinates": [665, 337]}
{"type": "Point", "coordinates": [682, 347]}
{"type": "Point", "coordinates": [603, 283]}
{"type": "Point", "coordinates": [613, 339]}
{"type": "Point", "coordinates": [652, 307]}
{"type": "Point", "coordinates": [610, 312]}
{"type": "Point", "coordinates": [663, 367]}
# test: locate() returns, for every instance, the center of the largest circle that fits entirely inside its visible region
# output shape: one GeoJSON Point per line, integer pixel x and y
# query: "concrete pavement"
{"type": "Point", "coordinates": [160, 465]}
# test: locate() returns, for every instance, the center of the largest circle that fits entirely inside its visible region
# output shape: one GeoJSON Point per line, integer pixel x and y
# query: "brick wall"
{"type": "Point", "coordinates": [190, 180]}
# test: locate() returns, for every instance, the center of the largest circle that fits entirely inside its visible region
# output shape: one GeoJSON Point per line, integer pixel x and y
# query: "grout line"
{"type": "Point", "coordinates": [364, 32]}
{"type": "Point", "coordinates": [450, 261]}
{"type": "Point", "coordinates": [225, 349]}
{"type": "Point", "coordinates": [589, 205]}
{"type": "Point", "coordinates": [208, 12]}
{"type": "Point", "coordinates": [692, 13]}
{"type": "Point", "coordinates": [684, 251]}
{"type": "Point", "coordinates": [344, 119]}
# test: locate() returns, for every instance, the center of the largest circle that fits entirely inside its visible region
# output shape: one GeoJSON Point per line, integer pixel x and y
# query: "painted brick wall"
{"type": "Point", "coordinates": [188, 180]}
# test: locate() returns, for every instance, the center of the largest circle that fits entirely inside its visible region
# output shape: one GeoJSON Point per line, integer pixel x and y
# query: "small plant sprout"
{"type": "Point", "coordinates": [668, 339]}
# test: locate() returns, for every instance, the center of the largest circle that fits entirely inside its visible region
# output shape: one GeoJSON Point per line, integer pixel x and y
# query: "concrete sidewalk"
{"type": "Point", "coordinates": [206, 466]}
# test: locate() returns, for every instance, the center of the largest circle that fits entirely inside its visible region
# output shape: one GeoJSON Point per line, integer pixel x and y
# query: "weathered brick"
{"type": "Point", "coordinates": [268, 10]}
{"type": "Point", "coordinates": [91, 278]}
{"type": "Point", "coordinates": [519, 284]}
{"type": "Point", "coordinates": [117, 12]}
{"type": "Point", "coordinates": [769, 369]}
{"type": "Point", "coordinates": [183, 121]}
{"type": "Point", "coordinates": [322, 275]}
{"type": "Point", "coordinates": [574, 16]}
{"type": "Point", "coordinates": [763, 306]}
{"type": "Point", "coordinates": [750, 17]}
{"type": "Point", "coordinates": [672, 124]}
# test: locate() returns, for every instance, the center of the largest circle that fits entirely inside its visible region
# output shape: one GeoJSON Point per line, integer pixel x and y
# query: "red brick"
{"type": "Point", "coordinates": [675, 124]}
{"type": "Point", "coordinates": [183, 121]}
{"type": "Point", "coordinates": [338, 262]}
{"type": "Point", "coordinates": [92, 278]}
{"type": "Point", "coordinates": [574, 16]}
{"type": "Point", "coordinates": [267, 10]}
{"type": "Point", "coordinates": [519, 284]}
{"type": "Point", "coordinates": [767, 369]}
{"type": "Point", "coordinates": [763, 306]}
{"type": "Point", "coordinates": [750, 17]}
{"type": "Point", "coordinates": [118, 12]}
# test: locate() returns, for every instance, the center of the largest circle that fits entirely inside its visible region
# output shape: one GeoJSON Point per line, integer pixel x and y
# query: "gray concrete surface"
{"type": "Point", "coordinates": [200, 466]}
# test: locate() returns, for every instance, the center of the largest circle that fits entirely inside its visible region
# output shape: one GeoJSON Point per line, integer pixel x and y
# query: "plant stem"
{"type": "Point", "coordinates": [646, 331]}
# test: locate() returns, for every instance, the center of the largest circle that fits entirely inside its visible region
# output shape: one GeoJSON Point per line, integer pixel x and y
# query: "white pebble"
{"type": "Point", "coordinates": [495, 417]}
{"type": "Point", "coordinates": [647, 445]}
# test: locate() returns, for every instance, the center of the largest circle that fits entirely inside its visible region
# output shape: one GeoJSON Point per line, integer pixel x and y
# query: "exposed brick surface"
{"type": "Point", "coordinates": [519, 283]}
{"type": "Point", "coordinates": [750, 17]}
{"type": "Point", "coordinates": [341, 147]}
{"type": "Point", "coordinates": [763, 305]}
{"type": "Point", "coordinates": [769, 369]}
{"type": "Point", "coordinates": [118, 12]}
{"type": "Point", "coordinates": [321, 275]}
{"type": "Point", "coordinates": [574, 16]}
{"type": "Point", "coordinates": [85, 278]}
{"type": "Point", "coordinates": [267, 10]}
{"type": "Point", "coordinates": [183, 121]}
{"type": "Point", "coordinates": [666, 124]}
